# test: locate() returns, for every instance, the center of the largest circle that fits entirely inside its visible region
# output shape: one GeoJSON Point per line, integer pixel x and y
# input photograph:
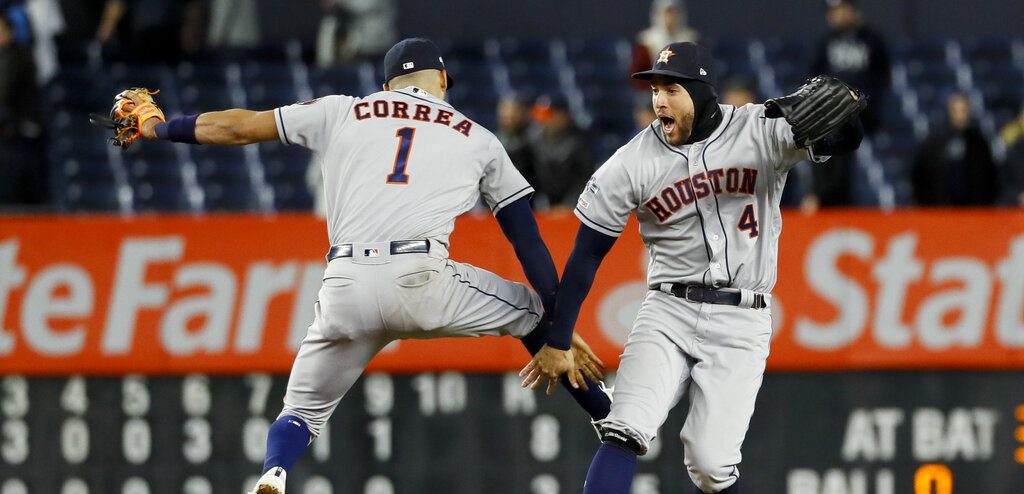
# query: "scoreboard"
{"type": "Point", "coordinates": [856, 433]}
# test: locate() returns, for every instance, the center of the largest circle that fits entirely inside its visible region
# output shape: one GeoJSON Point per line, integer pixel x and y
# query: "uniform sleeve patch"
{"type": "Point", "coordinates": [583, 203]}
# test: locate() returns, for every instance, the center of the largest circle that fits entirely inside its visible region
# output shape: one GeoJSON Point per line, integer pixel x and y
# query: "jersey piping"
{"type": "Point", "coordinates": [703, 232]}
{"type": "Point", "coordinates": [718, 209]}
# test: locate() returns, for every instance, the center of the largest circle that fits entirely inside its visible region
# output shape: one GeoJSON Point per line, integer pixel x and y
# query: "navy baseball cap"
{"type": "Point", "coordinates": [683, 60]}
{"type": "Point", "coordinates": [413, 55]}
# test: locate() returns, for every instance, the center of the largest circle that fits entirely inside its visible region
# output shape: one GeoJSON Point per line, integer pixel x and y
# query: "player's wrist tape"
{"type": "Point", "coordinates": [181, 129]}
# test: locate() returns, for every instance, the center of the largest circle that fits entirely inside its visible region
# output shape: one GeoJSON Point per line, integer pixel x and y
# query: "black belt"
{"type": "Point", "coordinates": [697, 293]}
{"type": "Point", "coordinates": [397, 247]}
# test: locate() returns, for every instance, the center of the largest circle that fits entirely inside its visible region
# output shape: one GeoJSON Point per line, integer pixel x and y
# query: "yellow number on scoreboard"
{"type": "Point", "coordinates": [936, 475]}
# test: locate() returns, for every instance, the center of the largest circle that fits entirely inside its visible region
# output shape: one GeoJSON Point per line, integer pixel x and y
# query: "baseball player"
{"type": "Point", "coordinates": [704, 181]}
{"type": "Point", "coordinates": [399, 166]}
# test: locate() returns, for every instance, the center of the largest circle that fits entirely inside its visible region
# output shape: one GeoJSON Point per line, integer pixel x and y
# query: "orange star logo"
{"type": "Point", "coordinates": [664, 55]}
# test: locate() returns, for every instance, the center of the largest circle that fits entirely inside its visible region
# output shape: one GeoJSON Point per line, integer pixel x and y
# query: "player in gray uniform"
{"type": "Point", "coordinates": [704, 181]}
{"type": "Point", "coordinates": [399, 166]}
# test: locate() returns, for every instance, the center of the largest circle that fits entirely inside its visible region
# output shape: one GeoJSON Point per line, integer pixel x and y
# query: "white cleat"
{"type": "Point", "coordinates": [271, 482]}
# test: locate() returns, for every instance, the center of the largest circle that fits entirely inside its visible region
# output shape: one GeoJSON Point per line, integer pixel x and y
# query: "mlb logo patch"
{"type": "Point", "coordinates": [583, 203]}
{"type": "Point", "coordinates": [408, 65]}
{"type": "Point", "coordinates": [371, 252]}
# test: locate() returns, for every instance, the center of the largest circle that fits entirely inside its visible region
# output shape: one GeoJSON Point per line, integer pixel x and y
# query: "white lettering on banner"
{"type": "Point", "coordinates": [41, 303]}
{"type": "Point", "coordinates": [216, 307]}
{"type": "Point", "coordinates": [1009, 322]}
{"type": "Point", "coordinates": [11, 276]}
{"type": "Point", "coordinates": [971, 302]}
{"type": "Point", "coordinates": [893, 273]}
{"type": "Point", "coordinates": [849, 299]}
{"type": "Point", "coordinates": [131, 292]}
{"type": "Point", "coordinates": [970, 297]}
{"type": "Point", "coordinates": [263, 282]}
{"type": "Point", "coordinates": [195, 303]}
{"type": "Point", "coordinates": [305, 297]}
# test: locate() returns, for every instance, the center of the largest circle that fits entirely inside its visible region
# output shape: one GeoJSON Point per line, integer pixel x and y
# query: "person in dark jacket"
{"type": "Point", "coordinates": [22, 167]}
{"type": "Point", "coordinates": [854, 53]}
{"type": "Point", "coordinates": [954, 165]}
{"type": "Point", "coordinates": [561, 158]}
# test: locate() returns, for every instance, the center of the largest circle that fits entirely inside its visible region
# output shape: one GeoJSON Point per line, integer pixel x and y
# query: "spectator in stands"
{"type": "Point", "coordinates": [954, 166]}
{"type": "Point", "coordinates": [562, 163]}
{"type": "Point", "coordinates": [1012, 136]}
{"type": "Point", "coordinates": [738, 92]}
{"type": "Point", "coordinates": [355, 30]}
{"type": "Point", "coordinates": [854, 53]}
{"type": "Point", "coordinates": [23, 168]}
{"type": "Point", "coordinates": [233, 24]}
{"type": "Point", "coordinates": [668, 24]}
{"type": "Point", "coordinates": [513, 122]}
{"type": "Point", "coordinates": [154, 29]}
{"type": "Point", "coordinates": [643, 113]}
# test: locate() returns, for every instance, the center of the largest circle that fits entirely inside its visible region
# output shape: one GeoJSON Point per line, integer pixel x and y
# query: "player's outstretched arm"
{"type": "Point", "coordinates": [589, 250]}
{"type": "Point", "coordinates": [227, 128]}
{"type": "Point", "coordinates": [135, 114]}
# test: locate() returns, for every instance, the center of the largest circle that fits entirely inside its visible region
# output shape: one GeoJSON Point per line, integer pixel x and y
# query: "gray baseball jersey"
{"type": "Point", "coordinates": [708, 212]}
{"type": "Point", "coordinates": [397, 165]}
{"type": "Point", "coordinates": [709, 215]}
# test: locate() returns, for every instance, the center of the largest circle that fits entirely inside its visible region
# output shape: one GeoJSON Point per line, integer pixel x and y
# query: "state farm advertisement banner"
{"type": "Point", "coordinates": [231, 294]}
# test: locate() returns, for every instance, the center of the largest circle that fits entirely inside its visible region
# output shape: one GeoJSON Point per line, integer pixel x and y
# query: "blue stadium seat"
{"type": "Point", "coordinates": [924, 50]}
{"type": "Point", "coordinates": [534, 78]}
{"type": "Point", "coordinates": [609, 52]}
{"type": "Point", "coordinates": [267, 96]}
{"type": "Point", "coordinates": [229, 197]}
{"type": "Point", "coordinates": [198, 97]}
{"type": "Point", "coordinates": [92, 197]}
{"type": "Point", "coordinates": [267, 73]}
{"type": "Point", "coordinates": [88, 170]}
{"type": "Point", "coordinates": [988, 49]}
{"type": "Point", "coordinates": [463, 52]}
{"type": "Point", "coordinates": [336, 80]}
{"type": "Point", "coordinates": [513, 50]}
{"type": "Point", "coordinates": [160, 196]}
{"type": "Point", "coordinates": [292, 196]}
{"type": "Point", "coordinates": [796, 51]}
{"type": "Point", "coordinates": [202, 73]}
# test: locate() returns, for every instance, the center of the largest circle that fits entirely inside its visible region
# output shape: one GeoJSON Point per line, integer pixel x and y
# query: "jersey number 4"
{"type": "Point", "coordinates": [748, 222]}
{"type": "Point", "coordinates": [398, 175]}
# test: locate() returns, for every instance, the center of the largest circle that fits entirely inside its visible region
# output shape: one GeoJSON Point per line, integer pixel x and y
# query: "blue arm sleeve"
{"type": "Point", "coordinates": [588, 252]}
{"type": "Point", "coordinates": [520, 228]}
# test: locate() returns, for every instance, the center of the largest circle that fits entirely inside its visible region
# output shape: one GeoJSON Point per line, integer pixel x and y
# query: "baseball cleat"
{"type": "Point", "coordinates": [271, 482]}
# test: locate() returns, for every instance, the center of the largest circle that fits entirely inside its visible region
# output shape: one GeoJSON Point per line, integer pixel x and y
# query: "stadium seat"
{"type": "Point", "coordinates": [229, 197]}
{"type": "Point", "coordinates": [92, 197]}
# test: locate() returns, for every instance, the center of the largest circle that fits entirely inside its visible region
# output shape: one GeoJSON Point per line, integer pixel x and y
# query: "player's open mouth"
{"type": "Point", "coordinates": [668, 124]}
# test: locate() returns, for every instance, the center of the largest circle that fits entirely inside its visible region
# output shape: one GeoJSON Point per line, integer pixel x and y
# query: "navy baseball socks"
{"type": "Point", "coordinates": [287, 439]}
{"type": "Point", "coordinates": [611, 472]}
{"type": "Point", "coordinates": [595, 401]}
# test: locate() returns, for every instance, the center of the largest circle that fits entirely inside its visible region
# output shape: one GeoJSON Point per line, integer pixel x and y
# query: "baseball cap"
{"type": "Point", "coordinates": [413, 55]}
{"type": "Point", "coordinates": [682, 60]}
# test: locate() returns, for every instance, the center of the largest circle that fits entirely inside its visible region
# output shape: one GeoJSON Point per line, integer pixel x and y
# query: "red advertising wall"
{"type": "Point", "coordinates": [232, 294]}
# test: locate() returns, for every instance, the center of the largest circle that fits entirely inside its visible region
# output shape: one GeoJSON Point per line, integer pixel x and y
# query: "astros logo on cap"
{"type": "Point", "coordinates": [664, 55]}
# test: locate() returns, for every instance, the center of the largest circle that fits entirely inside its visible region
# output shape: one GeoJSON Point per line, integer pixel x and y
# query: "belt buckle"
{"type": "Point", "coordinates": [686, 293]}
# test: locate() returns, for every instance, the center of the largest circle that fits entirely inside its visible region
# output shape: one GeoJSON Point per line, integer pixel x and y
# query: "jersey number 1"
{"type": "Point", "coordinates": [398, 175]}
{"type": "Point", "coordinates": [748, 221]}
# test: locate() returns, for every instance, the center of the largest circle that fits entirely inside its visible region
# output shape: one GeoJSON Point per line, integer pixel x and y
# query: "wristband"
{"type": "Point", "coordinates": [181, 129]}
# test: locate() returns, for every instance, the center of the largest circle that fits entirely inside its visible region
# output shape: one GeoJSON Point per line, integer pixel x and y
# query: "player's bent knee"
{"type": "Point", "coordinates": [313, 422]}
{"type": "Point", "coordinates": [712, 478]}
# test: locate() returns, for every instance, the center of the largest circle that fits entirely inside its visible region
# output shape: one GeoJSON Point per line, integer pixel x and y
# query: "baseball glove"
{"type": "Point", "coordinates": [819, 107]}
{"type": "Point", "coordinates": [132, 108]}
